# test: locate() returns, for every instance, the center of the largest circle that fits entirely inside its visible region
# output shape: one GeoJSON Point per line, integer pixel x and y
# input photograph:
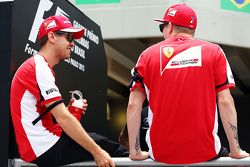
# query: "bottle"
{"type": "Point", "coordinates": [76, 104]}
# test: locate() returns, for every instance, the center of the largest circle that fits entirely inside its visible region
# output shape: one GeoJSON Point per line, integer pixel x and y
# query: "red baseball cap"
{"type": "Point", "coordinates": [181, 15]}
{"type": "Point", "coordinates": [59, 23]}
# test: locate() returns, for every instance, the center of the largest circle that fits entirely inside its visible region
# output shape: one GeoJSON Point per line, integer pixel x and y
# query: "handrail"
{"type": "Point", "coordinates": [223, 161]}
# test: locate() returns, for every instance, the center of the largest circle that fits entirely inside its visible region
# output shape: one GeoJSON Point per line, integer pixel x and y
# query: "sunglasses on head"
{"type": "Point", "coordinates": [69, 36]}
{"type": "Point", "coordinates": [161, 26]}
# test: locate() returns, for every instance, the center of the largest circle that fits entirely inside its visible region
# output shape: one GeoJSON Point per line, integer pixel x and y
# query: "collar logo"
{"type": "Point", "coordinates": [168, 51]}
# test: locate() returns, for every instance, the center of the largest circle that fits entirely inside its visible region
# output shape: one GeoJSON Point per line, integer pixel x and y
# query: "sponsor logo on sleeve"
{"type": "Point", "coordinates": [51, 90]}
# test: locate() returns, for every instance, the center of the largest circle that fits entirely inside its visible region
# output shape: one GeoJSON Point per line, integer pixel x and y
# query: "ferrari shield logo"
{"type": "Point", "coordinates": [168, 51]}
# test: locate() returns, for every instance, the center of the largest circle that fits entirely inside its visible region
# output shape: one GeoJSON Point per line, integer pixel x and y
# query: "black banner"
{"type": "Point", "coordinates": [5, 52]}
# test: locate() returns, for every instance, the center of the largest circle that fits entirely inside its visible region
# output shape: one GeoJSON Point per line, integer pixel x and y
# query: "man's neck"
{"type": "Point", "coordinates": [49, 55]}
{"type": "Point", "coordinates": [182, 34]}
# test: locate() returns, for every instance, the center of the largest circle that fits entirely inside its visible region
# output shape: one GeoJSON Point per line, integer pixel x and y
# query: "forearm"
{"type": "Point", "coordinates": [134, 110]}
{"type": "Point", "coordinates": [134, 121]}
{"type": "Point", "coordinates": [72, 127]}
{"type": "Point", "coordinates": [229, 120]}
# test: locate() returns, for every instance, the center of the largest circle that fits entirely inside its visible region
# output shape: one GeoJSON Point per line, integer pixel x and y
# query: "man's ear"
{"type": "Point", "coordinates": [51, 37]}
{"type": "Point", "coordinates": [171, 27]}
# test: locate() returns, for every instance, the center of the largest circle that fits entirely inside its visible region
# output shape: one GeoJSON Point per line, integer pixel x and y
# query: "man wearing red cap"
{"type": "Point", "coordinates": [182, 78]}
{"type": "Point", "coordinates": [35, 100]}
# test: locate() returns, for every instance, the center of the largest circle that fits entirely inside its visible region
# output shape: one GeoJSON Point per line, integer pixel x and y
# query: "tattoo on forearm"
{"type": "Point", "coordinates": [235, 132]}
{"type": "Point", "coordinates": [137, 142]}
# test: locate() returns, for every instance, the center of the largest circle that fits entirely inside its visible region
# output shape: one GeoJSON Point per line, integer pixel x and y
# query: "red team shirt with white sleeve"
{"type": "Point", "coordinates": [181, 77]}
{"type": "Point", "coordinates": [32, 87]}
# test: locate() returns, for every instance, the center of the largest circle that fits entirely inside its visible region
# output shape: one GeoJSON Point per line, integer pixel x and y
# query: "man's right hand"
{"type": "Point", "coordinates": [240, 154]}
{"type": "Point", "coordinates": [142, 155]}
{"type": "Point", "coordinates": [74, 129]}
{"type": "Point", "coordinates": [103, 159]}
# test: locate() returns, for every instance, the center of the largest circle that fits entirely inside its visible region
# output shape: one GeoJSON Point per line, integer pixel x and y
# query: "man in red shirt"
{"type": "Point", "coordinates": [182, 77]}
{"type": "Point", "coordinates": [36, 100]}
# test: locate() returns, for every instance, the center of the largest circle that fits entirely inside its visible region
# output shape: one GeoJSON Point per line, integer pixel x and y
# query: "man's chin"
{"type": "Point", "coordinates": [68, 56]}
{"type": "Point", "coordinates": [64, 58]}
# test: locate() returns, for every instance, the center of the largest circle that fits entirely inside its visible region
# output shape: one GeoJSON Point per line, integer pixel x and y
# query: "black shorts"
{"type": "Point", "coordinates": [67, 151]}
{"type": "Point", "coordinates": [223, 153]}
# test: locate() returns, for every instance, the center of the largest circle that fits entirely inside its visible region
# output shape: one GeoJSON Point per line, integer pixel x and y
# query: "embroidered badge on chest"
{"type": "Point", "coordinates": [168, 51]}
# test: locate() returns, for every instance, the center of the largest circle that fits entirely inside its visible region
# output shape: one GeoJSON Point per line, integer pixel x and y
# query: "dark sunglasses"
{"type": "Point", "coordinates": [161, 26]}
{"type": "Point", "coordinates": [69, 36]}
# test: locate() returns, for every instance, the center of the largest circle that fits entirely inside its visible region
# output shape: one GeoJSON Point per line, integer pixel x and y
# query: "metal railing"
{"type": "Point", "coordinates": [223, 161]}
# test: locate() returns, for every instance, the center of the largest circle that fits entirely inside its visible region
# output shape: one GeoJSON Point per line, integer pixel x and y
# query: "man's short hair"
{"type": "Point", "coordinates": [180, 29]}
{"type": "Point", "coordinates": [43, 41]}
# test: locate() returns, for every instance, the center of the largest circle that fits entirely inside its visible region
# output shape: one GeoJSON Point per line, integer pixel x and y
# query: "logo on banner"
{"type": "Point", "coordinates": [44, 6]}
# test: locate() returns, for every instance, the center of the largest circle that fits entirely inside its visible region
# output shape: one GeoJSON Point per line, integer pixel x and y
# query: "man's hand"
{"type": "Point", "coordinates": [103, 159]}
{"type": "Point", "coordinates": [84, 105]}
{"type": "Point", "coordinates": [240, 154]}
{"type": "Point", "coordinates": [139, 155]}
{"type": "Point", "coordinates": [77, 107]}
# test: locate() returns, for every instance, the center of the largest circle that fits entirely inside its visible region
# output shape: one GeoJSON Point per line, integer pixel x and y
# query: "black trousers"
{"type": "Point", "coordinates": [223, 153]}
{"type": "Point", "coordinates": [67, 151]}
